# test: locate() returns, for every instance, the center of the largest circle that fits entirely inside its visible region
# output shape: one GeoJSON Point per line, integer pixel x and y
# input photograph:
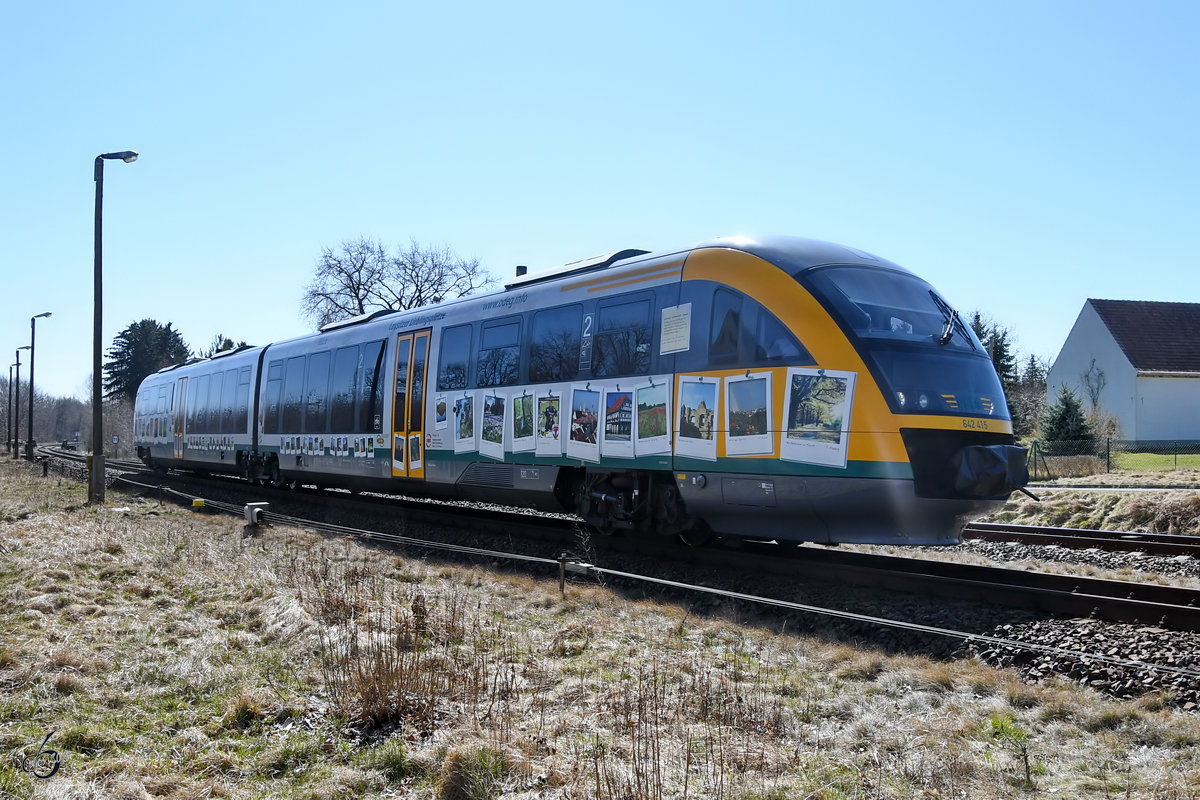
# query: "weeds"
{"type": "Point", "coordinates": [174, 660]}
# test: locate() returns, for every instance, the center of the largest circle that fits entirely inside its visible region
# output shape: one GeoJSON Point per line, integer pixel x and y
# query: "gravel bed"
{"type": "Point", "coordinates": [1104, 641]}
{"type": "Point", "coordinates": [1112, 560]}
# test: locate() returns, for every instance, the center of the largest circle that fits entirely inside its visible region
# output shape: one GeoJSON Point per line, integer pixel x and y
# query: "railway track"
{"type": "Point", "coordinates": [545, 536]}
{"type": "Point", "coordinates": [1166, 544]}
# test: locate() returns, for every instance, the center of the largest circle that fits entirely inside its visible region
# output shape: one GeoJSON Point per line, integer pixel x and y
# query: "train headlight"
{"type": "Point", "coordinates": [923, 401]}
{"type": "Point", "coordinates": [900, 397]}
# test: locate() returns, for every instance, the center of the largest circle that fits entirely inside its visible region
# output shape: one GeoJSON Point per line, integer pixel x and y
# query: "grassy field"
{"type": "Point", "coordinates": [174, 654]}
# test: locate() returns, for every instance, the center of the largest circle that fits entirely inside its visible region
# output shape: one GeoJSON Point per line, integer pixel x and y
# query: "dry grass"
{"type": "Point", "coordinates": [1175, 511]}
{"type": "Point", "coordinates": [176, 658]}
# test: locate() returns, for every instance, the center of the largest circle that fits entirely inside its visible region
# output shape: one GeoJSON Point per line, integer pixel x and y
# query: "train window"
{"type": "Point", "coordinates": [293, 395]}
{"type": "Point", "coordinates": [554, 344]}
{"type": "Point", "coordinates": [726, 325]}
{"type": "Point", "coordinates": [274, 391]}
{"type": "Point", "coordinates": [198, 404]}
{"type": "Point", "coordinates": [499, 353]}
{"type": "Point", "coordinates": [242, 411]}
{"type": "Point", "coordinates": [400, 401]}
{"type": "Point", "coordinates": [416, 414]}
{"type": "Point", "coordinates": [622, 342]}
{"type": "Point", "coordinates": [316, 394]}
{"type": "Point", "coordinates": [370, 403]}
{"type": "Point", "coordinates": [776, 344]}
{"type": "Point", "coordinates": [345, 378]}
{"type": "Point", "coordinates": [453, 358]}
{"type": "Point", "coordinates": [212, 422]}
{"type": "Point", "coordinates": [229, 400]}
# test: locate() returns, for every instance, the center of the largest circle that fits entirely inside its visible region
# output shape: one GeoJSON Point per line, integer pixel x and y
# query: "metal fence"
{"type": "Point", "coordinates": [1059, 459]}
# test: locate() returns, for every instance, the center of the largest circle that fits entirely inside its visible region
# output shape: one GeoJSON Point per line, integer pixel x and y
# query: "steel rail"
{"type": "Point", "coordinates": [1168, 544]}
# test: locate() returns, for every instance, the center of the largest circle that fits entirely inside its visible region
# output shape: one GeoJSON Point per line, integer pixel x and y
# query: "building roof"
{"type": "Point", "coordinates": [1155, 337]}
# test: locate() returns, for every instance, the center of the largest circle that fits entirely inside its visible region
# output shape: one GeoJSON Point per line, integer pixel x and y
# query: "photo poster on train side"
{"type": "Point", "coordinates": [816, 419]}
{"type": "Point", "coordinates": [440, 407]}
{"type": "Point", "coordinates": [616, 425]}
{"type": "Point", "coordinates": [748, 415]}
{"type": "Point", "coordinates": [415, 460]}
{"type": "Point", "coordinates": [398, 446]}
{"type": "Point", "coordinates": [696, 416]}
{"type": "Point", "coordinates": [464, 422]}
{"type": "Point", "coordinates": [548, 421]}
{"type": "Point", "coordinates": [652, 417]}
{"type": "Point", "coordinates": [520, 423]}
{"type": "Point", "coordinates": [583, 420]}
{"type": "Point", "coordinates": [491, 423]}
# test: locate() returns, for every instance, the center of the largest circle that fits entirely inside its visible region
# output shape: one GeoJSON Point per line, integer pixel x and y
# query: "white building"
{"type": "Point", "coordinates": [1141, 360]}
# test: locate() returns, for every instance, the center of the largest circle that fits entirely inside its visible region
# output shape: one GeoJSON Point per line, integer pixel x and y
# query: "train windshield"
{"type": "Point", "coordinates": [915, 342]}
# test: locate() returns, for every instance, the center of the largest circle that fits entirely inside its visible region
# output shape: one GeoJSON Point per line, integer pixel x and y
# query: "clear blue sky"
{"type": "Point", "coordinates": [1021, 156]}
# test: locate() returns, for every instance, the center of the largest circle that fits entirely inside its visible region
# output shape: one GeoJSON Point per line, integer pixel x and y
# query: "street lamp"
{"type": "Point", "coordinates": [29, 443]}
{"type": "Point", "coordinates": [8, 429]}
{"type": "Point", "coordinates": [96, 479]}
{"type": "Point", "coordinates": [16, 452]}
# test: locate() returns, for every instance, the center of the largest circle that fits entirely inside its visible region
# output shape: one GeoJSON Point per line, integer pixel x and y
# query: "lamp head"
{"type": "Point", "coordinates": [43, 314]}
{"type": "Point", "coordinates": [128, 156]}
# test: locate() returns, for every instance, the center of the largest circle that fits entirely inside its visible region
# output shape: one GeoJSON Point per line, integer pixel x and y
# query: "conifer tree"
{"type": "Point", "coordinates": [1065, 427]}
{"type": "Point", "coordinates": [142, 348]}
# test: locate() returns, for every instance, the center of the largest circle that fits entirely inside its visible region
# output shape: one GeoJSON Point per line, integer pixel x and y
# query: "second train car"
{"type": "Point", "coordinates": [777, 388]}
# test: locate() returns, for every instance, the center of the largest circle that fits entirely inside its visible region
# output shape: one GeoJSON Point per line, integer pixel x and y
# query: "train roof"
{"type": "Point", "coordinates": [790, 253]}
{"type": "Point", "coordinates": [794, 253]}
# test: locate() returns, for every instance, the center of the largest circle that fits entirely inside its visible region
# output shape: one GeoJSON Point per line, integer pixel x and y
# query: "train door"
{"type": "Point", "coordinates": [180, 408]}
{"type": "Point", "coordinates": [408, 408]}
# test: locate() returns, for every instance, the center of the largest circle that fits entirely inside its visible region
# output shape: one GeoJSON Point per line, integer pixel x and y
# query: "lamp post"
{"type": "Point", "coordinates": [29, 442]}
{"type": "Point", "coordinates": [8, 428]}
{"type": "Point", "coordinates": [16, 452]}
{"type": "Point", "coordinates": [96, 479]}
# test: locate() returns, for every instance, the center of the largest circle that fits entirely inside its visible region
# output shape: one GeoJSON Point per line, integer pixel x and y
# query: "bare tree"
{"type": "Point", "coordinates": [362, 276]}
{"type": "Point", "coordinates": [1094, 381]}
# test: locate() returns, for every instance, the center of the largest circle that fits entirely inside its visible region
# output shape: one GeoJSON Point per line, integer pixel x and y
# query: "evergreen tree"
{"type": "Point", "coordinates": [1066, 428]}
{"type": "Point", "coordinates": [220, 344]}
{"type": "Point", "coordinates": [141, 349]}
{"type": "Point", "coordinates": [997, 341]}
{"type": "Point", "coordinates": [1027, 399]}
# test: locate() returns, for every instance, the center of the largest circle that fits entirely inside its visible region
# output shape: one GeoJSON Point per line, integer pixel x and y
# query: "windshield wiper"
{"type": "Point", "coordinates": [950, 321]}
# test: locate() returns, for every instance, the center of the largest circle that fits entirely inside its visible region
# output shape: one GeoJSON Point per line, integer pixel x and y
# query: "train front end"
{"type": "Point", "coordinates": [892, 424]}
{"type": "Point", "coordinates": [942, 392]}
